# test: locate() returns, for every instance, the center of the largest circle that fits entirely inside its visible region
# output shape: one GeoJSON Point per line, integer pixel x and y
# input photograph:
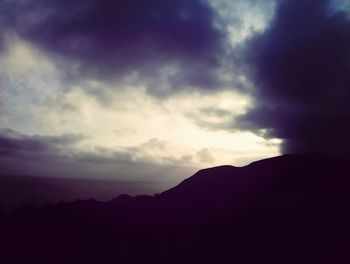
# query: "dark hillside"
{"type": "Point", "coordinates": [288, 209]}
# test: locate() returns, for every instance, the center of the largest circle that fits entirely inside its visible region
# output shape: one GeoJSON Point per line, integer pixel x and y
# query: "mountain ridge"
{"type": "Point", "coordinates": [285, 171]}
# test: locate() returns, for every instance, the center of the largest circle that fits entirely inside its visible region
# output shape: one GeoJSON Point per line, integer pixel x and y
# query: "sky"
{"type": "Point", "coordinates": [154, 90]}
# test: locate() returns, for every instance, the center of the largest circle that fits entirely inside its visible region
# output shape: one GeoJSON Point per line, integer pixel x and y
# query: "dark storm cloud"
{"type": "Point", "coordinates": [35, 155]}
{"type": "Point", "coordinates": [301, 69]}
{"type": "Point", "coordinates": [13, 143]}
{"type": "Point", "coordinates": [1, 36]}
{"type": "Point", "coordinates": [109, 39]}
{"type": "Point", "coordinates": [57, 148]}
{"type": "Point", "coordinates": [2, 28]}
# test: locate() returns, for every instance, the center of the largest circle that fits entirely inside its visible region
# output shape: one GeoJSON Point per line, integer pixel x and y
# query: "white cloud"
{"type": "Point", "coordinates": [243, 18]}
{"type": "Point", "coordinates": [36, 100]}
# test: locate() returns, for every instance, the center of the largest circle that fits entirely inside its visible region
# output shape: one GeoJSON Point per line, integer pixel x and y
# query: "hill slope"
{"type": "Point", "coordinates": [288, 209]}
{"type": "Point", "coordinates": [275, 181]}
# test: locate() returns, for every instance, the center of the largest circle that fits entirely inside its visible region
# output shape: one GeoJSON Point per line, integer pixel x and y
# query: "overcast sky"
{"type": "Point", "coordinates": [156, 89]}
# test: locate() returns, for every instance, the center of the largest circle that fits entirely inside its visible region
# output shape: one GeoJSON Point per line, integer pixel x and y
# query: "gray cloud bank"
{"type": "Point", "coordinates": [59, 156]}
{"type": "Point", "coordinates": [180, 42]}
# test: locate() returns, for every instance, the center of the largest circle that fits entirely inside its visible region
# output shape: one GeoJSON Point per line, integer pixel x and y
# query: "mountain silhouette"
{"type": "Point", "coordinates": [287, 209]}
{"type": "Point", "coordinates": [289, 180]}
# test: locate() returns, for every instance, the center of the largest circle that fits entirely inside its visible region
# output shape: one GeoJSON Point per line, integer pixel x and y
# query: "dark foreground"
{"type": "Point", "coordinates": [289, 209]}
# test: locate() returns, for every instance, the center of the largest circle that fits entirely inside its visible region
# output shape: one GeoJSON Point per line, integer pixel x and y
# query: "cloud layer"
{"type": "Point", "coordinates": [61, 156]}
{"type": "Point", "coordinates": [12, 141]}
{"type": "Point", "coordinates": [301, 69]}
{"type": "Point", "coordinates": [179, 41]}
{"type": "Point", "coordinates": [159, 84]}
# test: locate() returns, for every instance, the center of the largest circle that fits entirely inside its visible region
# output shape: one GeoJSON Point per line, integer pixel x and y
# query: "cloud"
{"type": "Point", "coordinates": [205, 156]}
{"type": "Point", "coordinates": [2, 28]}
{"type": "Point", "coordinates": [180, 41]}
{"type": "Point", "coordinates": [62, 156]}
{"type": "Point", "coordinates": [300, 67]}
{"type": "Point", "coordinates": [221, 113]}
{"type": "Point", "coordinates": [119, 53]}
{"type": "Point", "coordinates": [15, 143]}
{"type": "Point", "coordinates": [213, 118]}
{"type": "Point", "coordinates": [1, 41]}
{"type": "Point", "coordinates": [68, 156]}
{"type": "Point", "coordinates": [244, 18]}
